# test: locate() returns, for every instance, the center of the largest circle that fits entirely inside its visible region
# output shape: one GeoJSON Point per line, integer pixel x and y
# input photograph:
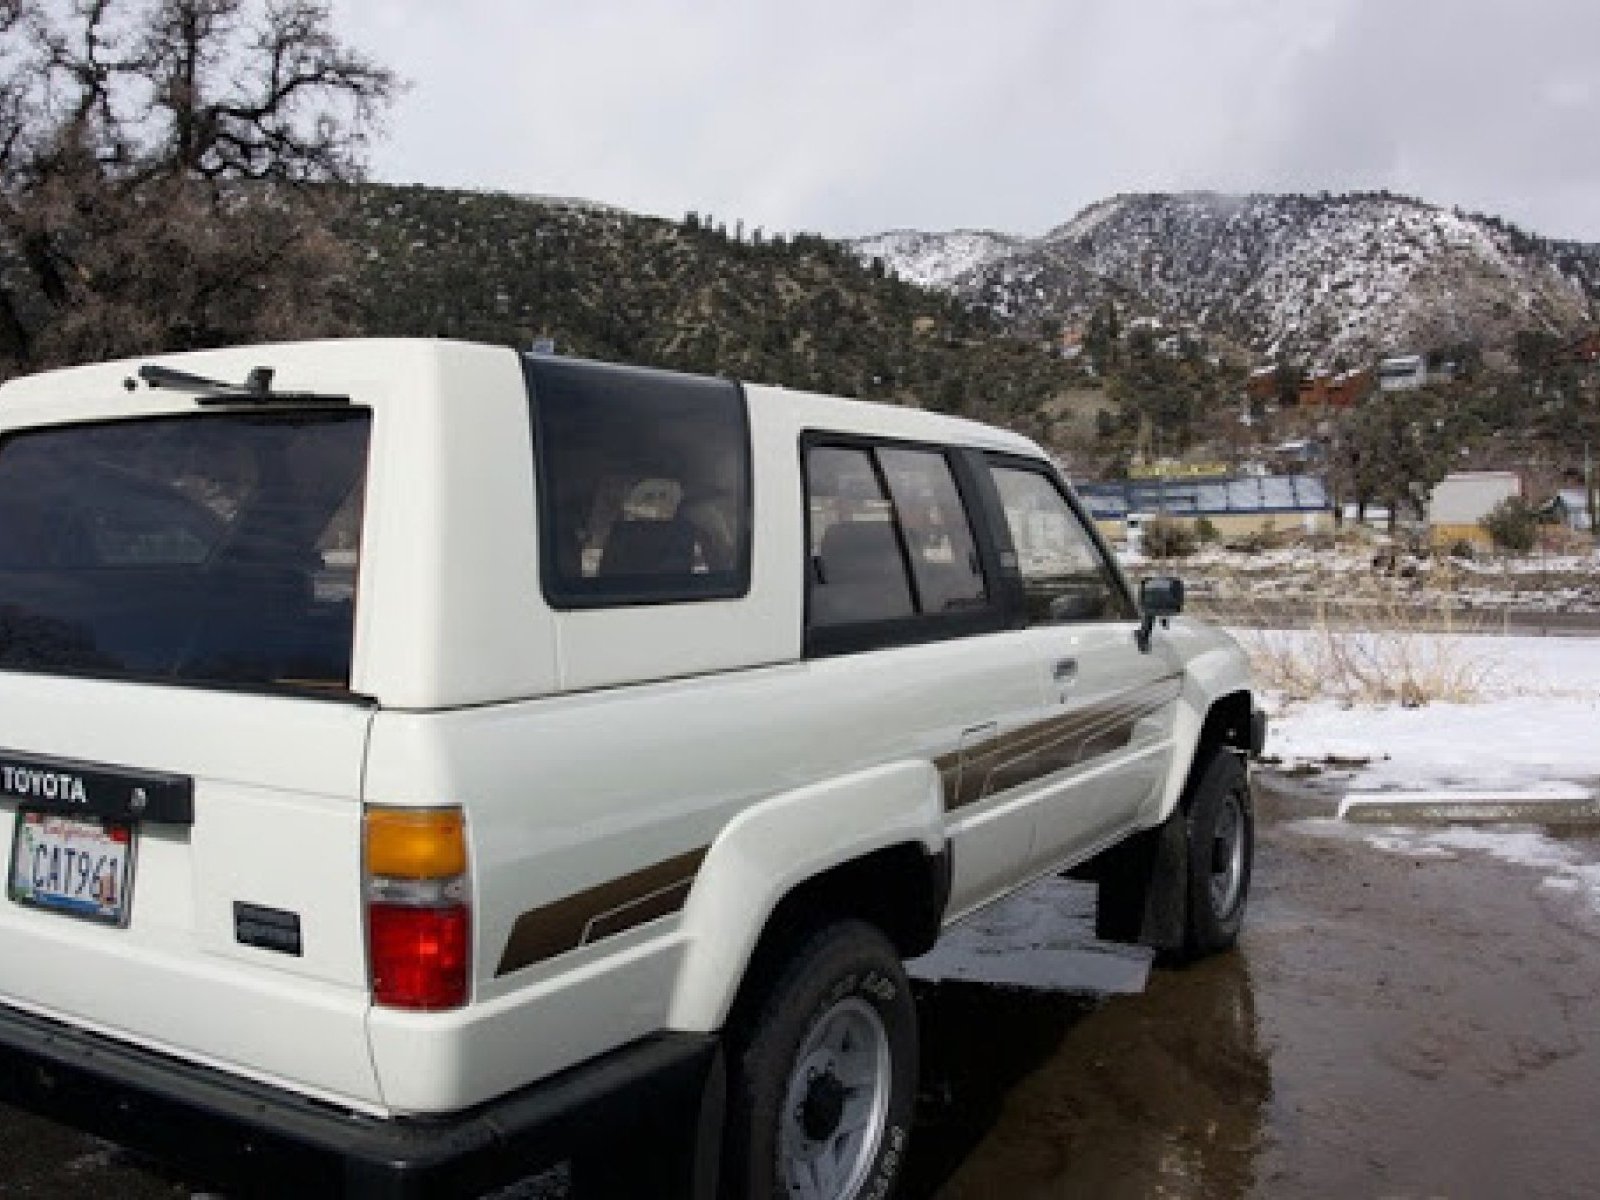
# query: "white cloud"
{"type": "Point", "coordinates": [848, 117]}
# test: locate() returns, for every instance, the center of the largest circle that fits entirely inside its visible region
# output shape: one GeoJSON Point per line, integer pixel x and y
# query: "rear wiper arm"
{"type": "Point", "coordinates": [256, 389]}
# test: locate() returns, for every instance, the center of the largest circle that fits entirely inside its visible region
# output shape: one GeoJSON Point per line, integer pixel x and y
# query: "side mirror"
{"type": "Point", "coordinates": [1161, 596]}
{"type": "Point", "coordinates": [1158, 597]}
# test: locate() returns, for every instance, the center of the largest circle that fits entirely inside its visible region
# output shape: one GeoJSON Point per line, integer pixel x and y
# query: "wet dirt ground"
{"type": "Point", "coordinates": [1394, 1024]}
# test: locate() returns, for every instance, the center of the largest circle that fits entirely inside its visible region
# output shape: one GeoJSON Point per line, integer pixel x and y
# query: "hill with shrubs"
{"type": "Point", "coordinates": [691, 295]}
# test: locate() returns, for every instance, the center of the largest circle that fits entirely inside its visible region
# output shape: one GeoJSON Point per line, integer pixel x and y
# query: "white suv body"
{"type": "Point", "coordinates": [659, 671]}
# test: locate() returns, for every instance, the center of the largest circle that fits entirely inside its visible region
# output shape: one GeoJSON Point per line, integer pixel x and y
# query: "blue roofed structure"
{"type": "Point", "coordinates": [1231, 505]}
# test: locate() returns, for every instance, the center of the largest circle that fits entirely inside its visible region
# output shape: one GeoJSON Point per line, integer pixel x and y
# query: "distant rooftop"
{"type": "Point", "coordinates": [1263, 494]}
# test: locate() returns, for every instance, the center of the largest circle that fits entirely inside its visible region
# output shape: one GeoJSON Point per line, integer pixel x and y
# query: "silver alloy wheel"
{"type": "Point", "coordinates": [836, 1104]}
{"type": "Point", "coordinates": [1227, 856]}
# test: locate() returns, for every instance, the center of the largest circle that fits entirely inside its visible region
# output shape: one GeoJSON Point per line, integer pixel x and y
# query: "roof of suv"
{"type": "Point", "coordinates": [84, 392]}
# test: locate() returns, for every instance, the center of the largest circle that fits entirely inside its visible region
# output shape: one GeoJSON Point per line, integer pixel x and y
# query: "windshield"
{"type": "Point", "coordinates": [212, 548]}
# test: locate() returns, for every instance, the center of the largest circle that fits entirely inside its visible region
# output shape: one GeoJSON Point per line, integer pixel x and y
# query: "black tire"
{"type": "Point", "coordinates": [1221, 826]}
{"type": "Point", "coordinates": [844, 984]}
{"type": "Point", "coordinates": [1160, 888]}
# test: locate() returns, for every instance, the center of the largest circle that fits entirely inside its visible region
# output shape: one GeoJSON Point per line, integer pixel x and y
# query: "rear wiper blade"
{"type": "Point", "coordinates": [256, 389]}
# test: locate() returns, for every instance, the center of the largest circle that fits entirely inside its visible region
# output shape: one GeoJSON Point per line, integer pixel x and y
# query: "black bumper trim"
{"type": "Point", "coordinates": [256, 1139]}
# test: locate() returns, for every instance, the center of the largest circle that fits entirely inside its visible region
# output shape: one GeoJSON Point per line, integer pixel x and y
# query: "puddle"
{"type": "Point", "coordinates": [1410, 1014]}
{"type": "Point", "coordinates": [1041, 940]}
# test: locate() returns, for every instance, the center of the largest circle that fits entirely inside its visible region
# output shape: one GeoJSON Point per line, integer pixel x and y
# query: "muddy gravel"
{"type": "Point", "coordinates": [1399, 1021]}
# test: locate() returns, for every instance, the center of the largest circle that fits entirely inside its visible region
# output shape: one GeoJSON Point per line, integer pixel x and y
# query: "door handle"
{"type": "Point", "coordinates": [1066, 670]}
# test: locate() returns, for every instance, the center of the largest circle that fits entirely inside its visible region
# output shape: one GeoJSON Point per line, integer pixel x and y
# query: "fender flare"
{"type": "Point", "coordinates": [1210, 678]}
{"type": "Point", "coordinates": [773, 847]}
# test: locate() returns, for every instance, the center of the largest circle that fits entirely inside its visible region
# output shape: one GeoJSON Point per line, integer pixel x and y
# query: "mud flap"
{"type": "Point", "coordinates": [659, 1160]}
{"type": "Point", "coordinates": [1144, 888]}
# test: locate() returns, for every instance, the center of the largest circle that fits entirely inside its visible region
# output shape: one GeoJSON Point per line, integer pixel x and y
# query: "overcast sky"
{"type": "Point", "coordinates": [854, 116]}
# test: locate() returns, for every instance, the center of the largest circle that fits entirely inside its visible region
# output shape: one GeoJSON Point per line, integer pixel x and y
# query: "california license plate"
{"type": "Point", "coordinates": [82, 866]}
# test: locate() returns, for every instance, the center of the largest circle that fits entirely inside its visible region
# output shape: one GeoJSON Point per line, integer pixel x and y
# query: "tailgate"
{"type": "Point", "coordinates": [177, 598]}
{"type": "Point", "coordinates": [204, 966]}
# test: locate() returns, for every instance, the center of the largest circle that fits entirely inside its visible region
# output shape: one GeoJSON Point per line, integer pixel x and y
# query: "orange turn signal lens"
{"type": "Point", "coordinates": [416, 843]}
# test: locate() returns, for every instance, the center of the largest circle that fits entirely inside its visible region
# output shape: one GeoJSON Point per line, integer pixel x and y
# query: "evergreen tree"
{"type": "Point", "coordinates": [1395, 448]}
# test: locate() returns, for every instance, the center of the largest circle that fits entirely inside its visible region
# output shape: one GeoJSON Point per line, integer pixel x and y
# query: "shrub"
{"type": "Point", "coordinates": [1255, 541]}
{"type": "Point", "coordinates": [1362, 655]}
{"type": "Point", "coordinates": [1205, 531]}
{"type": "Point", "coordinates": [1463, 549]}
{"type": "Point", "coordinates": [1167, 538]}
{"type": "Point", "coordinates": [1513, 524]}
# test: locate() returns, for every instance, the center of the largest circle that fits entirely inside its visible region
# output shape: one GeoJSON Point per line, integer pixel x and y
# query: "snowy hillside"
{"type": "Point", "coordinates": [935, 259]}
{"type": "Point", "coordinates": [1322, 277]}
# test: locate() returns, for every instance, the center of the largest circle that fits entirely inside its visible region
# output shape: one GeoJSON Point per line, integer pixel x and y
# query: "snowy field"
{"type": "Point", "coordinates": [1534, 732]}
{"type": "Point", "coordinates": [1535, 728]}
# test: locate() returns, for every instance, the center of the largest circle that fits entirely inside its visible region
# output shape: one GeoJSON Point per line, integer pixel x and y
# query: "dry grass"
{"type": "Point", "coordinates": [1380, 626]}
{"type": "Point", "coordinates": [1358, 652]}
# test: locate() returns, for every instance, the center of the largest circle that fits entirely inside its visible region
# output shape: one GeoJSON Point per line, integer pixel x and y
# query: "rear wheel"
{"type": "Point", "coordinates": [823, 1074]}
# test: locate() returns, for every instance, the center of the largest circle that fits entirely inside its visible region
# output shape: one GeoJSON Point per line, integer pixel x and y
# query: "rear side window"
{"type": "Point", "coordinates": [892, 557]}
{"type": "Point", "coordinates": [858, 570]}
{"type": "Point", "coordinates": [644, 485]}
{"type": "Point", "coordinates": [939, 543]}
{"type": "Point", "coordinates": [213, 548]}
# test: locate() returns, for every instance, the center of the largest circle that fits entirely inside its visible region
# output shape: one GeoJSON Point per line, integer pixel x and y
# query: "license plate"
{"type": "Point", "coordinates": [75, 865]}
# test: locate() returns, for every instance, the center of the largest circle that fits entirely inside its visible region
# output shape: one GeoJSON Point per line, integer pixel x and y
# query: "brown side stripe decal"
{"type": "Point", "coordinates": [602, 911]}
{"type": "Point", "coordinates": [1006, 761]}
{"type": "Point", "coordinates": [1045, 747]}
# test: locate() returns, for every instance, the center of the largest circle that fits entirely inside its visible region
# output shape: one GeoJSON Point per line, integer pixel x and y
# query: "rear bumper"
{"type": "Point", "coordinates": [256, 1139]}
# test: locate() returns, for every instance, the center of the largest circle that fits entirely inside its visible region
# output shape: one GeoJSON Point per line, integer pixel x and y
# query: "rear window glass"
{"type": "Point", "coordinates": [858, 569]}
{"type": "Point", "coordinates": [214, 548]}
{"type": "Point", "coordinates": [644, 485]}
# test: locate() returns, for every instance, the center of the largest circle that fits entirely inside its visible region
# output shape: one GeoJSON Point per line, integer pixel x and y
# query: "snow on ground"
{"type": "Point", "coordinates": [1537, 727]}
{"type": "Point", "coordinates": [1535, 732]}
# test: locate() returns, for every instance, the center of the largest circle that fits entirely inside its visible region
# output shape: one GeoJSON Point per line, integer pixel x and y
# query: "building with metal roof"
{"type": "Point", "coordinates": [1244, 504]}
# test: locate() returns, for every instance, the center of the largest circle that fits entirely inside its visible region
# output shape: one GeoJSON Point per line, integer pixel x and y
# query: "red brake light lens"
{"type": "Point", "coordinates": [419, 956]}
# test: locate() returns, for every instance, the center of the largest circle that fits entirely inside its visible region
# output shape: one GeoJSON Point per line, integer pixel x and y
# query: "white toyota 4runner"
{"type": "Point", "coordinates": [420, 762]}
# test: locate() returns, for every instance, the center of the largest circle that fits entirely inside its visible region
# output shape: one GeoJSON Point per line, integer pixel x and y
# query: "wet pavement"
{"type": "Point", "coordinates": [1399, 1021]}
{"type": "Point", "coordinates": [1394, 1024]}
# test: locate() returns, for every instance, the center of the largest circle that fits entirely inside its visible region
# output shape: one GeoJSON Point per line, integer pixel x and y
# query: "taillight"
{"type": "Point", "coordinates": [419, 955]}
{"type": "Point", "coordinates": [419, 927]}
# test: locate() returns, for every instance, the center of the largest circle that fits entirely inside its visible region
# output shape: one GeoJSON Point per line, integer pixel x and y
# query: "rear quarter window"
{"type": "Point", "coordinates": [643, 484]}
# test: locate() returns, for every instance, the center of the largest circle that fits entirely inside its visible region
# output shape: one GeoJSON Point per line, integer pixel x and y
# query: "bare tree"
{"type": "Point", "coordinates": [162, 173]}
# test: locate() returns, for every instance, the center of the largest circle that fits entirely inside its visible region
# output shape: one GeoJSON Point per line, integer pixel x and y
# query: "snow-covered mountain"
{"type": "Point", "coordinates": [1320, 277]}
{"type": "Point", "coordinates": [936, 260]}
